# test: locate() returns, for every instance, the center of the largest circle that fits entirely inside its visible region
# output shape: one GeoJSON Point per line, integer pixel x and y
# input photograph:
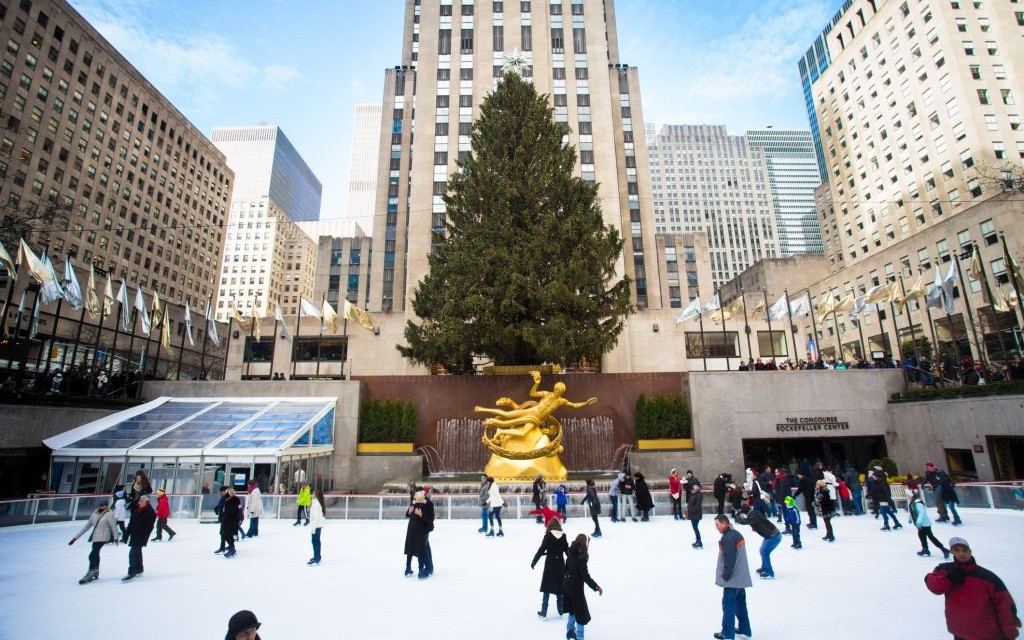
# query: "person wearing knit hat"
{"type": "Point", "coordinates": [243, 626]}
{"type": "Point", "coordinates": [791, 516]}
{"type": "Point", "coordinates": [163, 512]}
{"type": "Point", "coordinates": [933, 477]}
{"type": "Point", "coordinates": [978, 605]}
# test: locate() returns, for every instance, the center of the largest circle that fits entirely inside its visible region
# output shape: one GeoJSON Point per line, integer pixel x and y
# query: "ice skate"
{"type": "Point", "coordinates": [89, 577]}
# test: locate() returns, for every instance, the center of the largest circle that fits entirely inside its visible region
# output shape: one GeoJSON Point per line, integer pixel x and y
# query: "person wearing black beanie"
{"type": "Point", "coordinates": [243, 626]}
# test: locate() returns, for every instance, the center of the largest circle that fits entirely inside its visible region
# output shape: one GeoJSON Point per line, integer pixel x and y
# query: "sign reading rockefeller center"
{"type": "Point", "coordinates": [813, 423]}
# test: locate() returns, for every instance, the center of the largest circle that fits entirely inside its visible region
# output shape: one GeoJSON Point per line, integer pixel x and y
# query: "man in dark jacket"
{"type": "Point", "coordinates": [852, 480]}
{"type": "Point", "coordinates": [882, 495]}
{"type": "Point", "coordinates": [539, 488]}
{"type": "Point", "coordinates": [733, 575]}
{"type": "Point", "coordinates": [978, 606]}
{"type": "Point", "coordinates": [763, 527]}
{"type": "Point", "coordinates": [139, 529]}
{"type": "Point", "coordinates": [805, 488]}
{"type": "Point", "coordinates": [719, 491]}
{"type": "Point", "coordinates": [783, 489]}
{"type": "Point", "coordinates": [933, 476]}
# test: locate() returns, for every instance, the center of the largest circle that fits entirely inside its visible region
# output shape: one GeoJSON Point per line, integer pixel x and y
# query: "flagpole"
{"type": "Point", "coordinates": [789, 329]}
{"type": "Point", "coordinates": [860, 332]}
{"type": "Point", "coordinates": [206, 336]}
{"type": "Point", "coordinates": [273, 351]}
{"type": "Point", "coordinates": [184, 330]}
{"type": "Point", "coordinates": [159, 340]}
{"type": "Point", "coordinates": [28, 341]}
{"type": "Point", "coordinates": [910, 319]}
{"type": "Point", "coordinates": [117, 330]}
{"type": "Point", "coordinates": [10, 294]}
{"type": "Point", "coordinates": [967, 304]}
{"type": "Point", "coordinates": [248, 346]}
{"type": "Point", "coordinates": [131, 346]}
{"type": "Point", "coordinates": [725, 338]}
{"type": "Point", "coordinates": [840, 354]}
{"type": "Point", "coordinates": [896, 337]}
{"type": "Point", "coordinates": [96, 345]}
{"type": "Point", "coordinates": [295, 341]}
{"type": "Point", "coordinates": [53, 335]}
{"type": "Point", "coordinates": [703, 347]}
{"type": "Point", "coordinates": [227, 349]}
{"type": "Point", "coordinates": [344, 334]}
{"type": "Point", "coordinates": [991, 301]}
{"type": "Point", "coordinates": [319, 342]}
{"type": "Point", "coordinates": [746, 330]}
{"type": "Point", "coordinates": [768, 317]}
{"type": "Point", "coordinates": [78, 338]}
{"type": "Point", "coordinates": [814, 328]}
{"type": "Point", "coordinates": [1008, 259]}
{"type": "Point", "coordinates": [17, 327]}
{"type": "Point", "coordinates": [39, 360]}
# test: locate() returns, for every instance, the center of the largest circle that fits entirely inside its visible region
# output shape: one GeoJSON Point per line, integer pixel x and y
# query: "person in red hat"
{"type": "Point", "coordinates": [933, 477]}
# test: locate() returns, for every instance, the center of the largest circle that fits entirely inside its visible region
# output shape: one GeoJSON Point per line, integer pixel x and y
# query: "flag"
{"type": "Point", "coordinates": [154, 311]}
{"type": "Point", "coordinates": [735, 307]}
{"type": "Point", "coordinates": [720, 316]}
{"type": "Point", "coordinates": [779, 310]}
{"type": "Point", "coordinates": [33, 328]}
{"type": "Point", "coordinates": [243, 324]}
{"type": "Point", "coordinates": [211, 324]}
{"type": "Point", "coordinates": [188, 324]}
{"type": "Point", "coordinates": [5, 259]}
{"type": "Point", "coordinates": [691, 311]}
{"type": "Point", "coordinates": [165, 329]}
{"type": "Point", "coordinates": [256, 318]}
{"type": "Point", "coordinates": [825, 305]}
{"type": "Point", "coordinates": [306, 308]}
{"type": "Point", "coordinates": [1013, 269]}
{"type": "Point", "coordinates": [711, 306]}
{"type": "Point", "coordinates": [800, 307]}
{"type": "Point", "coordinates": [948, 282]}
{"type": "Point", "coordinates": [358, 316]}
{"type": "Point", "coordinates": [759, 307]}
{"type": "Point", "coordinates": [975, 271]}
{"type": "Point", "coordinates": [844, 304]}
{"type": "Point", "coordinates": [1009, 301]}
{"type": "Point", "coordinates": [140, 305]}
{"type": "Point", "coordinates": [122, 298]}
{"type": "Point", "coordinates": [108, 298]}
{"type": "Point", "coordinates": [330, 316]}
{"type": "Point", "coordinates": [72, 290]}
{"type": "Point", "coordinates": [882, 293]}
{"type": "Point", "coordinates": [92, 303]}
{"type": "Point", "coordinates": [50, 289]}
{"type": "Point", "coordinates": [1001, 303]}
{"type": "Point", "coordinates": [916, 292]}
{"type": "Point", "coordinates": [35, 266]}
{"type": "Point", "coordinates": [933, 299]}
{"type": "Point", "coordinates": [279, 317]}
{"type": "Point", "coordinates": [860, 306]}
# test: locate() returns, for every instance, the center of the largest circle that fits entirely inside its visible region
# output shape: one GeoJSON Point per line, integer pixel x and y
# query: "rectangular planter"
{"type": "Point", "coordinates": [370, 448]}
{"type": "Point", "coordinates": [665, 444]}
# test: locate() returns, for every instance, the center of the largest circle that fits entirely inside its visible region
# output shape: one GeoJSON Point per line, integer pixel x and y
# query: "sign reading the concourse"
{"type": "Point", "coordinates": [813, 423]}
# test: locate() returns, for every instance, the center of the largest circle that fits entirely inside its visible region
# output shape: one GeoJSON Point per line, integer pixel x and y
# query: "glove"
{"type": "Point", "coordinates": [955, 575]}
{"type": "Point", "coordinates": [533, 565]}
{"type": "Point", "coordinates": [71, 542]}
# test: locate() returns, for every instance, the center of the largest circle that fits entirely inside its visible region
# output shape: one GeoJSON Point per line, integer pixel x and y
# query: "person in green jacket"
{"type": "Point", "coordinates": [303, 502]}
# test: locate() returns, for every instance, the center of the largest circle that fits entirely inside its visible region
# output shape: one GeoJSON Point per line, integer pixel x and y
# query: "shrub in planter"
{"type": "Point", "coordinates": [662, 417]}
{"type": "Point", "coordinates": [888, 465]}
{"type": "Point", "coordinates": [384, 420]}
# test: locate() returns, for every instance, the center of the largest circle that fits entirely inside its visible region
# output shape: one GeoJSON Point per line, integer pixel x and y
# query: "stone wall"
{"type": "Point", "coordinates": [28, 425]}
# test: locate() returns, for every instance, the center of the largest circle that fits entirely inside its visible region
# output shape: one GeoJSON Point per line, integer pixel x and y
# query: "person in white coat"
{"type": "Point", "coordinates": [253, 509]}
{"type": "Point", "coordinates": [317, 521]}
{"type": "Point", "coordinates": [495, 502]}
{"type": "Point", "coordinates": [104, 531]}
{"type": "Point", "coordinates": [121, 512]}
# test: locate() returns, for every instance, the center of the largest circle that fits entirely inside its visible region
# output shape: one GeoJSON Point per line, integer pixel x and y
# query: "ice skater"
{"type": "Point", "coordinates": [496, 503]}
{"type": "Point", "coordinates": [733, 575]}
{"type": "Point", "coordinates": [763, 527]}
{"type": "Point", "coordinates": [919, 516]}
{"type": "Point", "coordinates": [302, 503]}
{"type": "Point", "coordinates": [825, 498]}
{"type": "Point", "coordinates": [318, 520]}
{"type": "Point", "coordinates": [574, 599]}
{"type": "Point", "coordinates": [139, 528]}
{"type": "Point", "coordinates": [231, 516]}
{"type": "Point", "coordinates": [554, 547]}
{"type": "Point", "coordinates": [121, 513]}
{"type": "Point", "coordinates": [254, 509]}
{"type": "Point", "coordinates": [562, 501]}
{"type": "Point", "coordinates": [591, 500]}
{"type": "Point", "coordinates": [695, 511]}
{"type": "Point", "coordinates": [104, 531]}
{"type": "Point", "coordinates": [416, 536]}
{"type": "Point", "coordinates": [539, 490]}
{"type": "Point", "coordinates": [792, 517]}
{"type": "Point", "coordinates": [163, 512]}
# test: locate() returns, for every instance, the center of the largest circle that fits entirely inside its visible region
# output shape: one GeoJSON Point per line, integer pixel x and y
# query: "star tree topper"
{"type": "Point", "coordinates": [517, 62]}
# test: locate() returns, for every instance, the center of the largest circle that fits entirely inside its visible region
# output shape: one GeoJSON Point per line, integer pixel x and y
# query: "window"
{"type": "Point", "coordinates": [1007, 96]}
{"type": "Point", "coordinates": [968, 47]}
{"type": "Point", "coordinates": [557, 40]}
{"type": "Point", "coordinates": [526, 37]}
{"type": "Point", "coordinates": [499, 37]}
{"type": "Point", "coordinates": [991, 47]}
{"type": "Point", "coordinates": [444, 40]}
{"type": "Point", "coordinates": [466, 41]}
{"type": "Point", "coordinates": [579, 40]}
{"type": "Point", "coordinates": [983, 96]}
{"type": "Point", "coordinates": [976, 71]}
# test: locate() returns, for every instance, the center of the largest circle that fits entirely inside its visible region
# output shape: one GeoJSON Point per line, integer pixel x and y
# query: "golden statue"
{"type": "Point", "coordinates": [527, 439]}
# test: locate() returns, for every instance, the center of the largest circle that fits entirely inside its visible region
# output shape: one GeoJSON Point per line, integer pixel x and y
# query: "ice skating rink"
{"type": "Point", "coordinates": [868, 583]}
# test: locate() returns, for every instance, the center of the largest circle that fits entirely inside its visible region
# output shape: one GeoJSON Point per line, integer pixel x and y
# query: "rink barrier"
{"type": "Point", "coordinates": [44, 508]}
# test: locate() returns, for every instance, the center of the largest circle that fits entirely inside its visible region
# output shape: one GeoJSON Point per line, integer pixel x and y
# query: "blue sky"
{"type": "Point", "coordinates": [304, 65]}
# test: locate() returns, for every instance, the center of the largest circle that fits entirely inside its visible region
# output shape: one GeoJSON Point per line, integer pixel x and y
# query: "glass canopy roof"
{"type": "Point", "coordinates": [206, 426]}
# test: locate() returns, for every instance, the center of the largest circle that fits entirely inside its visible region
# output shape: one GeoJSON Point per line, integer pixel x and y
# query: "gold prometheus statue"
{"type": "Point", "coordinates": [526, 439]}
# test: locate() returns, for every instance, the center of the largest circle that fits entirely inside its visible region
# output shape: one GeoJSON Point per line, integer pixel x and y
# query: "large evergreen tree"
{"type": "Point", "coordinates": [524, 273]}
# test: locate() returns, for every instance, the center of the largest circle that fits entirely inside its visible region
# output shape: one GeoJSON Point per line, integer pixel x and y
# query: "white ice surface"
{"type": "Point", "coordinates": [867, 584]}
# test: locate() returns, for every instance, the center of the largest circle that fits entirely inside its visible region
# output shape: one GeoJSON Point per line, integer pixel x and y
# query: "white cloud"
{"type": "Point", "coordinates": [278, 77]}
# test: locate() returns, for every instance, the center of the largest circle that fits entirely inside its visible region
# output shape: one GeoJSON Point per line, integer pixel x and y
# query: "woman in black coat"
{"type": "Point", "coordinates": [577, 575]}
{"type": "Point", "coordinates": [230, 517]}
{"type": "Point", "coordinates": [644, 503]}
{"type": "Point", "coordinates": [694, 512]}
{"type": "Point", "coordinates": [554, 547]}
{"type": "Point", "coordinates": [591, 500]}
{"type": "Point", "coordinates": [416, 534]}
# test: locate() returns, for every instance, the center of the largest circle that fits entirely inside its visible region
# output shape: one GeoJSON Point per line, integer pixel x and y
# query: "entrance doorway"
{"type": "Point", "coordinates": [794, 453]}
{"type": "Point", "coordinates": [1007, 455]}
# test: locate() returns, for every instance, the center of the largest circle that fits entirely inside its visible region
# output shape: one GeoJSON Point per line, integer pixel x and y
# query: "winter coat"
{"type": "Point", "coordinates": [626, 485]}
{"type": "Point", "coordinates": [230, 516]}
{"type": "Point", "coordinates": [947, 491]}
{"type": "Point", "coordinates": [919, 514]}
{"type": "Point", "coordinates": [494, 498]}
{"type": "Point", "coordinates": [852, 478]}
{"type": "Point", "coordinates": [805, 488]}
{"type": "Point", "coordinates": [428, 514]}
{"type": "Point", "coordinates": [137, 492]}
{"type": "Point", "coordinates": [561, 496]}
{"type": "Point", "coordinates": [616, 484]}
{"type": "Point", "coordinates": [783, 487]}
{"type": "Point", "coordinates": [643, 494]}
{"type": "Point", "coordinates": [761, 525]}
{"type": "Point", "coordinates": [880, 492]}
{"type": "Point", "coordinates": [305, 497]}
{"type": "Point", "coordinates": [416, 531]}
{"type": "Point", "coordinates": [539, 487]}
{"type": "Point", "coordinates": [695, 505]}
{"type": "Point", "coordinates": [791, 515]}
{"type": "Point", "coordinates": [826, 503]}
{"type": "Point", "coordinates": [719, 488]}
{"type": "Point", "coordinates": [163, 506]}
{"type": "Point", "coordinates": [317, 520]}
{"type": "Point", "coordinates": [554, 547]}
{"type": "Point", "coordinates": [674, 486]}
{"type": "Point", "coordinates": [120, 510]}
{"type": "Point", "coordinates": [978, 606]}
{"type": "Point", "coordinates": [103, 525]}
{"type": "Point", "coordinates": [577, 575]}
{"type": "Point", "coordinates": [732, 570]}
{"type": "Point", "coordinates": [254, 503]}
{"type": "Point", "coordinates": [592, 501]}
{"type": "Point", "coordinates": [484, 487]}
{"type": "Point", "coordinates": [141, 526]}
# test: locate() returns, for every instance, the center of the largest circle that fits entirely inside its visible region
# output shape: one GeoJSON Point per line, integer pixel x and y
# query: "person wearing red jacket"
{"type": "Point", "coordinates": [163, 511]}
{"type": "Point", "coordinates": [675, 490]}
{"type": "Point", "coordinates": [978, 606]}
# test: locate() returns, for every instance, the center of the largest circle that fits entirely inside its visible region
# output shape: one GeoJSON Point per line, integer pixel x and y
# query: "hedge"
{"type": "Point", "coordinates": [663, 417]}
{"type": "Point", "coordinates": [383, 420]}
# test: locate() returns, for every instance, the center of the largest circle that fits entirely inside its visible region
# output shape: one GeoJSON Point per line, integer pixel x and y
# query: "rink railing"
{"type": "Point", "coordinates": [466, 506]}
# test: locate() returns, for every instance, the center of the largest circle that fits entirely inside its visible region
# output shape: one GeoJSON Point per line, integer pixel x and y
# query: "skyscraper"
{"type": "Point", "coordinates": [703, 179]}
{"type": "Point", "coordinates": [363, 164]}
{"type": "Point", "coordinates": [792, 178]}
{"type": "Point", "coordinates": [452, 57]}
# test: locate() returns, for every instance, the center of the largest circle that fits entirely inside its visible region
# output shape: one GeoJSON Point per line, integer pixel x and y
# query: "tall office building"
{"type": "Point", "coordinates": [146, 194]}
{"type": "Point", "coordinates": [703, 179]}
{"type": "Point", "coordinates": [267, 257]}
{"type": "Point", "coordinates": [267, 165]}
{"type": "Point", "coordinates": [792, 178]}
{"type": "Point", "coordinates": [453, 52]}
{"type": "Point", "coordinates": [916, 100]}
{"type": "Point", "coordinates": [363, 164]}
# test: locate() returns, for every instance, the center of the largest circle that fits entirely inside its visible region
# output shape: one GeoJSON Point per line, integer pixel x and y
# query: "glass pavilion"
{"type": "Point", "coordinates": [197, 445]}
